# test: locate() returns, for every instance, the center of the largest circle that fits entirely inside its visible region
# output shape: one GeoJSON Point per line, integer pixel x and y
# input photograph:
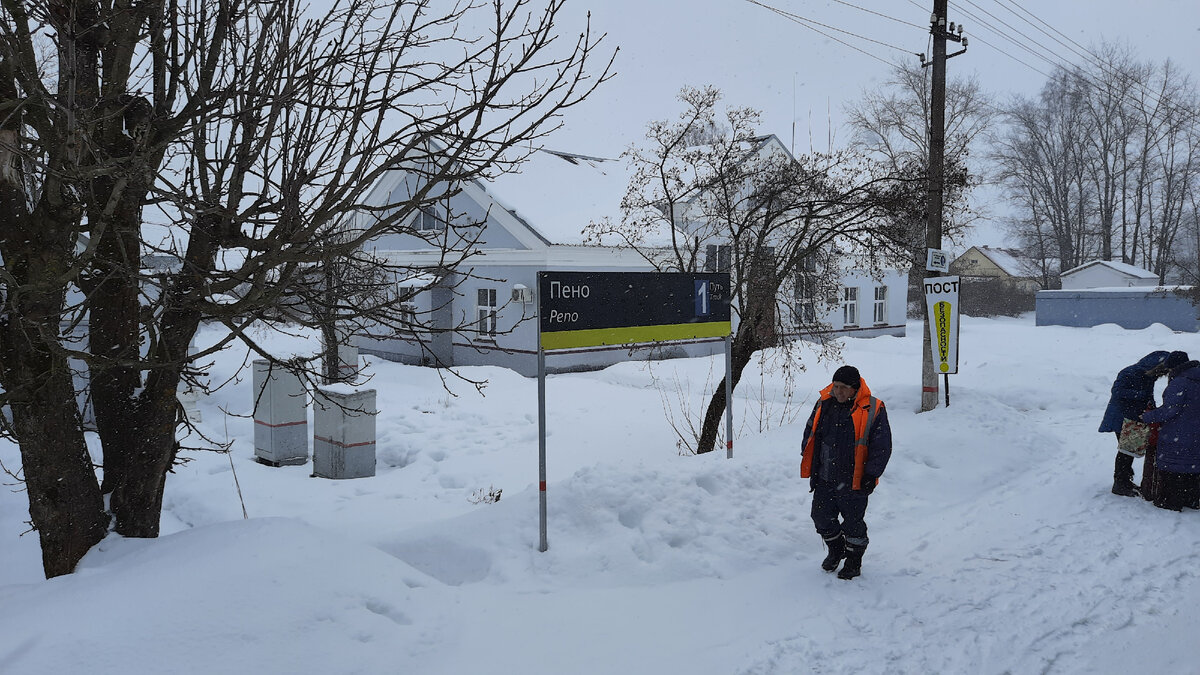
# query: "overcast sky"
{"type": "Point", "coordinates": [791, 72]}
{"type": "Point", "coordinates": [794, 74]}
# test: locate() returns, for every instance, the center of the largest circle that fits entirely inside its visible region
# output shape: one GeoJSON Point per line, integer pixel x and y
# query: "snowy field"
{"type": "Point", "coordinates": [996, 546]}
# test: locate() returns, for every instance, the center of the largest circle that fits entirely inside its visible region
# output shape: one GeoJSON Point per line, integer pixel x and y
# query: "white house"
{"type": "Point", "coordinates": [1107, 274]}
{"type": "Point", "coordinates": [534, 220]}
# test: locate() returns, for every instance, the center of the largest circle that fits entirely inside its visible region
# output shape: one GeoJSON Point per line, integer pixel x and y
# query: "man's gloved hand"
{"type": "Point", "coordinates": [868, 483]}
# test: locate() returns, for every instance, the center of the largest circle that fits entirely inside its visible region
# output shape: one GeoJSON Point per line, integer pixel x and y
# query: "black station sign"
{"type": "Point", "coordinates": [591, 309]}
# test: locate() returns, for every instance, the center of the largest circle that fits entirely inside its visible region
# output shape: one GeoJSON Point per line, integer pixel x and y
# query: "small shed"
{"type": "Point", "coordinates": [1107, 274]}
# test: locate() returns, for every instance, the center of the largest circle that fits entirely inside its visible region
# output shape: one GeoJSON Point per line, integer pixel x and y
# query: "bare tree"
{"type": "Point", "coordinates": [710, 192]}
{"type": "Point", "coordinates": [892, 123]}
{"type": "Point", "coordinates": [1188, 262]}
{"type": "Point", "coordinates": [237, 139]}
{"type": "Point", "coordinates": [1110, 139]}
{"type": "Point", "coordinates": [1041, 155]}
{"type": "Point", "coordinates": [1176, 167]}
{"type": "Point", "coordinates": [1108, 85]}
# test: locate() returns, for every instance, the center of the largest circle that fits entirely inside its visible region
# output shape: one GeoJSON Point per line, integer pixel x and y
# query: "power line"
{"type": "Point", "coordinates": [871, 11]}
{"type": "Point", "coordinates": [1032, 50]}
{"type": "Point", "coordinates": [806, 23]}
{"type": "Point", "coordinates": [1005, 52]}
{"type": "Point", "coordinates": [1058, 60]}
{"type": "Point", "coordinates": [1052, 37]}
{"type": "Point", "coordinates": [1096, 60]}
{"type": "Point", "coordinates": [1034, 47]}
{"type": "Point", "coordinates": [1034, 41]}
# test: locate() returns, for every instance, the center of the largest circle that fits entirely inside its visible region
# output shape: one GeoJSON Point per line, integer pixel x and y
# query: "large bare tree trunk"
{"type": "Point", "coordinates": [137, 496]}
{"type": "Point", "coordinates": [113, 340]}
{"type": "Point", "coordinates": [256, 108]}
{"type": "Point", "coordinates": [65, 504]}
{"type": "Point", "coordinates": [149, 420]}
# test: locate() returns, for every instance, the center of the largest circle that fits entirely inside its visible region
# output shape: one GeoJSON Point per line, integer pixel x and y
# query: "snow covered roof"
{"type": "Point", "coordinates": [1011, 260]}
{"type": "Point", "coordinates": [559, 193]}
{"type": "Point", "coordinates": [1123, 268]}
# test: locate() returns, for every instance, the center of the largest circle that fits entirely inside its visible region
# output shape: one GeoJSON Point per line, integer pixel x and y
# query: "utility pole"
{"type": "Point", "coordinates": [937, 162]}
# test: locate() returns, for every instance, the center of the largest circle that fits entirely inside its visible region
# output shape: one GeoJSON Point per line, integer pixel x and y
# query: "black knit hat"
{"type": "Point", "coordinates": [848, 375]}
{"type": "Point", "coordinates": [1176, 359]}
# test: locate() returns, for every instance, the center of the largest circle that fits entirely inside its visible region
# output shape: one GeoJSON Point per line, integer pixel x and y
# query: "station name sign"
{"type": "Point", "coordinates": [593, 309]}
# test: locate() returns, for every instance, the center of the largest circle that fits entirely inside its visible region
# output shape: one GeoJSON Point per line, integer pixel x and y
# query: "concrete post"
{"type": "Point", "coordinates": [189, 396]}
{"type": "Point", "coordinates": [280, 415]}
{"type": "Point", "coordinates": [344, 432]}
{"type": "Point", "coordinates": [347, 361]}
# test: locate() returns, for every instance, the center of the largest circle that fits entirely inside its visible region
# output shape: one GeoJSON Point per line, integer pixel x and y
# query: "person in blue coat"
{"type": "Point", "coordinates": [1178, 435]}
{"type": "Point", "coordinates": [1132, 393]}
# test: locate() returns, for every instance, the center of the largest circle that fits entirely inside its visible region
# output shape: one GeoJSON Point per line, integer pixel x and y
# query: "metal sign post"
{"type": "Point", "coordinates": [543, 545]}
{"type": "Point", "coordinates": [596, 309]}
{"type": "Point", "coordinates": [729, 396]}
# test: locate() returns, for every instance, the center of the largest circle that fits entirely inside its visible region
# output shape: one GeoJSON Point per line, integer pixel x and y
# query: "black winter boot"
{"type": "Point", "coordinates": [1125, 488]}
{"type": "Point", "coordinates": [1123, 476]}
{"type": "Point", "coordinates": [853, 566]}
{"type": "Point", "coordinates": [837, 551]}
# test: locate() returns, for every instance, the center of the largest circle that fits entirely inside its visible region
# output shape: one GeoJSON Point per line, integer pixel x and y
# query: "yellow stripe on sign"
{"type": "Point", "coordinates": [598, 337]}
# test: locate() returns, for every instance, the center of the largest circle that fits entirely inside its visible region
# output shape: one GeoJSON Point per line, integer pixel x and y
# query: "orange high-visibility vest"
{"type": "Point", "coordinates": [866, 407]}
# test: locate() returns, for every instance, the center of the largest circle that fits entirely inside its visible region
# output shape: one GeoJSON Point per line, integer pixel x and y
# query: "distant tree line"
{"type": "Point", "coordinates": [1105, 163]}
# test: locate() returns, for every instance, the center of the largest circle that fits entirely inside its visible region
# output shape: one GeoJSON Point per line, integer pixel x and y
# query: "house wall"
{"type": "Point", "coordinates": [1133, 309]}
{"type": "Point", "coordinates": [895, 318]}
{"type": "Point", "coordinates": [973, 263]}
{"type": "Point", "coordinates": [1100, 276]}
{"type": "Point", "coordinates": [467, 210]}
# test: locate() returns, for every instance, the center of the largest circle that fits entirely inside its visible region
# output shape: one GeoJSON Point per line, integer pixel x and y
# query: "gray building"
{"type": "Point", "coordinates": [1129, 307]}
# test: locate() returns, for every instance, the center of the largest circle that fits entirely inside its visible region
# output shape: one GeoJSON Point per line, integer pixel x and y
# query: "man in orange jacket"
{"type": "Point", "coordinates": [847, 444]}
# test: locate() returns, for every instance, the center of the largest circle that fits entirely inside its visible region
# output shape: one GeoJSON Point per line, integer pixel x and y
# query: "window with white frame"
{"type": "Point", "coordinates": [408, 309]}
{"type": "Point", "coordinates": [717, 258]}
{"type": "Point", "coordinates": [428, 220]}
{"type": "Point", "coordinates": [805, 301]}
{"type": "Point", "coordinates": [485, 312]}
{"type": "Point", "coordinates": [849, 306]}
{"type": "Point", "coordinates": [880, 313]}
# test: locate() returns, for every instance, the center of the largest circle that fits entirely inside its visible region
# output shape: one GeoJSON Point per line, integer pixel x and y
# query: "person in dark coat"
{"type": "Point", "coordinates": [847, 444]}
{"type": "Point", "coordinates": [1132, 393]}
{"type": "Point", "coordinates": [1178, 435]}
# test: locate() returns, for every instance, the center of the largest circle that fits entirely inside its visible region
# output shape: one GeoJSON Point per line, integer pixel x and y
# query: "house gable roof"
{"type": "Point", "coordinates": [1120, 267]}
{"type": "Point", "coordinates": [553, 195]}
{"type": "Point", "coordinates": [1010, 260]}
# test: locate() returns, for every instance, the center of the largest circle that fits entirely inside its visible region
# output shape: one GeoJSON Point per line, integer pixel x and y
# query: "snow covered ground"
{"type": "Point", "coordinates": [995, 543]}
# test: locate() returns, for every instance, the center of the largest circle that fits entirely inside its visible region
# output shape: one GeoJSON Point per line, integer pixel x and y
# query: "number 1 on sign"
{"type": "Point", "coordinates": [702, 308]}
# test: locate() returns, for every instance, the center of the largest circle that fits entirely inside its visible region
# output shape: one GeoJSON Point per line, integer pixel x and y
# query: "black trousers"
{"type": "Point", "coordinates": [1177, 490]}
{"type": "Point", "coordinates": [829, 503]}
